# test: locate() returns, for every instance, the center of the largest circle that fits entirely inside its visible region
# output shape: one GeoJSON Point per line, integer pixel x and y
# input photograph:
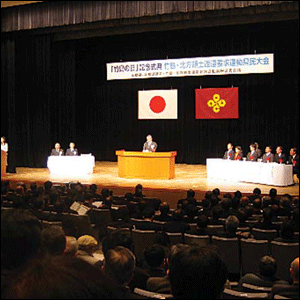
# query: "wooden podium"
{"type": "Point", "coordinates": [146, 165]}
{"type": "Point", "coordinates": [3, 162]}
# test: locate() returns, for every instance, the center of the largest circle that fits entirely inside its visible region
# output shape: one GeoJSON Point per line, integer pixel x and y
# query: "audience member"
{"type": "Point", "coordinates": [71, 246]}
{"type": "Point", "coordinates": [155, 257]}
{"type": "Point", "coordinates": [267, 274]}
{"type": "Point", "coordinates": [287, 290]}
{"type": "Point", "coordinates": [231, 226]}
{"type": "Point", "coordinates": [164, 216]}
{"type": "Point", "coordinates": [54, 240]}
{"type": "Point", "coordinates": [202, 222]}
{"type": "Point", "coordinates": [117, 272]}
{"type": "Point", "coordinates": [87, 245]}
{"type": "Point", "coordinates": [147, 224]}
{"type": "Point", "coordinates": [162, 284]}
{"type": "Point", "coordinates": [56, 277]}
{"type": "Point", "coordinates": [177, 224]}
{"type": "Point", "coordinates": [197, 273]}
{"type": "Point", "coordinates": [287, 233]}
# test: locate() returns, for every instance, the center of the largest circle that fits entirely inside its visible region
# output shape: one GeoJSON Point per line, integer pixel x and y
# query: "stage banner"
{"type": "Point", "coordinates": [157, 104]}
{"type": "Point", "coordinates": [217, 103]}
{"type": "Point", "coordinates": [197, 66]}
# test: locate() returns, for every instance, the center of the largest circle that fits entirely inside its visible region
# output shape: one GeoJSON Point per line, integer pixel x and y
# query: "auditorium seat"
{"type": "Point", "coordinates": [101, 218]}
{"type": "Point", "coordinates": [230, 250]}
{"type": "Point", "coordinates": [213, 229]}
{"type": "Point", "coordinates": [110, 229]}
{"type": "Point", "coordinates": [151, 295]}
{"type": "Point", "coordinates": [142, 239]}
{"type": "Point", "coordinates": [51, 223]}
{"type": "Point", "coordinates": [255, 289]}
{"type": "Point", "coordinates": [201, 240]}
{"type": "Point", "coordinates": [232, 294]}
{"type": "Point", "coordinates": [284, 253]}
{"type": "Point", "coordinates": [174, 238]}
{"type": "Point", "coordinates": [264, 234]}
{"type": "Point", "coordinates": [251, 252]}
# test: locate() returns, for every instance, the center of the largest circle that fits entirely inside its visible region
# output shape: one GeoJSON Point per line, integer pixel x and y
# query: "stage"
{"type": "Point", "coordinates": [186, 177]}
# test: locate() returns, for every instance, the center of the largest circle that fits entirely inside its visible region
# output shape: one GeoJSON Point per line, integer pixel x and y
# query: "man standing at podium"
{"type": "Point", "coordinates": [149, 145]}
{"type": "Point", "coordinates": [72, 151]}
{"type": "Point", "coordinates": [57, 151]}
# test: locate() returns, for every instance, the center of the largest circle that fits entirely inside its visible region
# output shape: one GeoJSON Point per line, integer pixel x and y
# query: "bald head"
{"type": "Point", "coordinates": [294, 270]}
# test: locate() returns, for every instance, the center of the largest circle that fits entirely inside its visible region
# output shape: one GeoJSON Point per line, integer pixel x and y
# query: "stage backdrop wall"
{"type": "Point", "coordinates": [57, 91]}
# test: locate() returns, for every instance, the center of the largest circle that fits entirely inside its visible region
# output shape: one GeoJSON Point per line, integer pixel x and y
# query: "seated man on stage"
{"type": "Point", "coordinates": [229, 154]}
{"type": "Point", "coordinates": [279, 156]}
{"type": "Point", "coordinates": [72, 151]}
{"type": "Point", "coordinates": [57, 151]}
{"type": "Point", "coordinates": [149, 145]}
{"type": "Point", "coordinates": [268, 156]}
{"type": "Point", "coordinates": [294, 160]}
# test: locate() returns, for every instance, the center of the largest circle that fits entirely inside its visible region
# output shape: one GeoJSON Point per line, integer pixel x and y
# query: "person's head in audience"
{"type": "Point", "coordinates": [257, 203]}
{"type": "Point", "coordinates": [287, 230]}
{"type": "Point", "coordinates": [267, 266]}
{"type": "Point", "coordinates": [197, 273]}
{"type": "Point", "coordinates": [117, 238]}
{"type": "Point", "coordinates": [54, 240]}
{"type": "Point", "coordinates": [164, 208]}
{"type": "Point", "coordinates": [273, 192]}
{"type": "Point", "coordinates": [71, 246]}
{"type": "Point", "coordinates": [138, 190]}
{"type": "Point", "coordinates": [202, 221]}
{"type": "Point", "coordinates": [148, 213]}
{"type": "Point", "coordinates": [257, 191]}
{"type": "Point", "coordinates": [231, 224]}
{"type": "Point", "coordinates": [48, 185]}
{"type": "Point", "coordinates": [178, 215]}
{"type": "Point", "coordinates": [190, 194]}
{"type": "Point", "coordinates": [294, 270]}
{"type": "Point", "coordinates": [119, 265]}
{"type": "Point", "coordinates": [122, 214]}
{"type": "Point", "coordinates": [155, 256]}
{"type": "Point", "coordinates": [208, 195]}
{"type": "Point", "coordinates": [129, 196]}
{"type": "Point", "coordinates": [21, 238]}
{"type": "Point", "coordinates": [238, 194]}
{"type": "Point", "coordinates": [266, 201]}
{"type": "Point", "coordinates": [226, 203]}
{"type": "Point", "coordinates": [57, 277]}
{"type": "Point", "coordinates": [216, 212]}
{"type": "Point", "coordinates": [88, 244]}
{"type": "Point", "coordinates": [105, 193]}
{"type": "Point", "coordinates": [267, 214]}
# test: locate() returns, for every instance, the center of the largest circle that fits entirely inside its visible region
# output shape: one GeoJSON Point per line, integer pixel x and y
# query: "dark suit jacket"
{"type": "Point", "coordinates": [72, 153]}
{"type": "Point", "coordinates": [267, 158]}
{"type": "Point", "coordinates": [229, 154]}
{"type": "Point", "coordinates": [295, 163]}
{"type": "Point", "coordinates": [286, 290]}
{"type": "Point", "coordinates": [280, 159]}
{"type": "Point", "coordinates": [252, 157]}
{"type": "Point", "coordinates": [55, 153]}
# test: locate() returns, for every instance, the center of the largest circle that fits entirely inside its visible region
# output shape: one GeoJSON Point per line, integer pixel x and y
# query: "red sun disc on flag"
{"type": "Point", "coordinates": [157, 104]}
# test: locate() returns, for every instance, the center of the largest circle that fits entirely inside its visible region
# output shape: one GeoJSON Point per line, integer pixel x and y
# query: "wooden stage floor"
{"type": "Point", "coordinates": [187, 177]}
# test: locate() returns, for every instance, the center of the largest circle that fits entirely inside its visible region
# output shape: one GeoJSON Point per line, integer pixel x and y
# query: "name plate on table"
{"type": "Point", "coordinates": [249, 171]}
{"type": "Point", "coordinates": [71, 165]}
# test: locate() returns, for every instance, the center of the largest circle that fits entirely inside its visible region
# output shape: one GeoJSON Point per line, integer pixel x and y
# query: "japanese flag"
{"type": "Point", "coordinates": [157, 104]}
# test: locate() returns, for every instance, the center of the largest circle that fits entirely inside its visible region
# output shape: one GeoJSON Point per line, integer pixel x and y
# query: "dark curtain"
{"type": "Point", "coordinates": [61, 94]}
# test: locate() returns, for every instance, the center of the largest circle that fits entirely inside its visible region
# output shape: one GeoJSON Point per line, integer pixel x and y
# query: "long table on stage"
{"type": "Point", "coordinates": [146, 165]}
{"type": "Point", "coordinates": [249, 171]}
{"type": "Point", "coordinates": [71, 165]}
